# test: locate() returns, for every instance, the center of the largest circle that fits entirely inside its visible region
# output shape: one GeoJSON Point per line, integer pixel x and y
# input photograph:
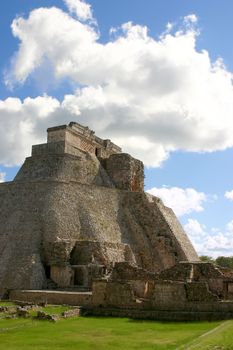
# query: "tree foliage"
{"type": "Point", "coordinates": [223, 261]}
{"type": "Point", "coordinates": [207, 258]}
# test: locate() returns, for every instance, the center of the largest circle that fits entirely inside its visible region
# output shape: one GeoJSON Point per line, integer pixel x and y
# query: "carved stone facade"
{"type": "Point", "coordinates": [76, 136]}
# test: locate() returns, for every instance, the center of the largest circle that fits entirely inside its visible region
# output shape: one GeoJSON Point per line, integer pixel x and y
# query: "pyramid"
{"type": "Point", "coordinates": [76, 207]}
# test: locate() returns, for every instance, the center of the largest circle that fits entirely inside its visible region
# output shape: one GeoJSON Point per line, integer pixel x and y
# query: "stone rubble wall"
{"type": "Point", "coordinates": [200, 272]}
{"type": "Point", "coordinates": [170, 300]}
{"type": "Point", "coordinates": [197, 271]}
{"type": "Point", "coordinates": [163, 295]}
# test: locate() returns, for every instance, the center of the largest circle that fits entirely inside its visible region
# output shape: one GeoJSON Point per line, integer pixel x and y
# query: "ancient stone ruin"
{"type": "Point", "coordinates": [77, 227]}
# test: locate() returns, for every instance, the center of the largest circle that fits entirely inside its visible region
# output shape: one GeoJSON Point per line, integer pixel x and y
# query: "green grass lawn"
{"type": "Point", "coordinates": [6, 303]}
{"type": "Point", "coordinates": [113, 333]}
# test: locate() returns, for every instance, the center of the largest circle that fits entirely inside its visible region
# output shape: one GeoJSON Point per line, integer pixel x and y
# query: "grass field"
{"type": "Point", "coordinates": [6, 303]}
{"type": "Point", "coordinates": [113, 333]}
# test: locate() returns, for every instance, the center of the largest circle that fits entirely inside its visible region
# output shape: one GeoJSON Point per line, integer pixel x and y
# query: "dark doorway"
{"type": "Point", "coordinates": [78, 277]}
{"type": "Point", "coordinates": [97, 152]}
{"type": "Point", "coordinates": [81, 276]}
{"type": "Point", "coordinates": [47, 270]}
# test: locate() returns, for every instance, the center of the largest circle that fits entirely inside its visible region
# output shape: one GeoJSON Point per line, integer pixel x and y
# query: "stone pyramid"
{"type": "Point", "coordinates": [76, 207]}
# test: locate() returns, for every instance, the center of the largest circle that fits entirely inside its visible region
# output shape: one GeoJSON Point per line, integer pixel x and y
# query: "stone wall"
{"type": "Point", "coordinates": [76, 136]}
{"type": "Point", "coordinates": [118, 299]}
{"type": "Point", "coordinates": [126, 172]}
{"type": "Point", "coordinates": [61, 275]}
{"type": "Point", "coordinates": [115, 294]}
{"type": "Point", "coordinates": [163, 295]}
{"type": "Point", "coordinates": [52, 297]}
{"type": "Point", "coordinates": [128, 272]}
{"type": "Point", "coordinates": [21, 207]}
{"type": "Point", "coordinates": [168, 294]}
{"type": "Point", "coordinates": [54, 148]}
{"type": "Point", "coordinates": [64, 167]}
{"type": "Point", "coordinates": [199, 291]}
{"type": "Point", "coordinates": [102, 253]}
{"type": "Point", "coordinates": [163, 315]}
{"type": "Point", "coordinates": [193, 270]}
{"type": "Point", "coordinates": [199, 272]}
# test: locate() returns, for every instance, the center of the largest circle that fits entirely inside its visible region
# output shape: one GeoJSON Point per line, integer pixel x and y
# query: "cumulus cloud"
{"type": "Point", "coordinates": [192, 18]}
{"type": "Point", "coordinates": [80, 8]}
{"type": "Point", "coordinates": [51, 34]}
{"type": "Point", "coordinates": [229, 195]}
{"type": "Point", "coordinates": [182, 201]}
{"type": "Point", "coordinates": [151, 96]}
{"type": "Point", "coordinates": [23, 123]}
{"type": "Point", "coordinates": [2, 176]}
{"type": "Point", "coordinates": [214, 242]}
{"type": "Point", "coordinates": [195, 229]}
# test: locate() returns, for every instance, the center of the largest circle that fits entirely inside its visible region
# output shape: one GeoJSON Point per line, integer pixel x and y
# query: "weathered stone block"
{"type": "Point", "coordinates": [126, 172]}
{"type": "Point", "coordinates": [199, 291]}
{"type": "Point", "coordinates": [62, 276]}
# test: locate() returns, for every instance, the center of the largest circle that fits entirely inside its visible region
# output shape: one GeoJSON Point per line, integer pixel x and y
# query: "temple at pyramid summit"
{"type": "Point", "coordinates": [76, 227]}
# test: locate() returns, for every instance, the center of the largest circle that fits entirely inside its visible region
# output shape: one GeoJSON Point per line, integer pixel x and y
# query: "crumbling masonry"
{"type": "Point", "coordinates": [76, 219]}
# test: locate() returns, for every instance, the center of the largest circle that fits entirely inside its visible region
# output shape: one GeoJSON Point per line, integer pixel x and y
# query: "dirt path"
{"type": "Point", "coordinates": [194, 344]}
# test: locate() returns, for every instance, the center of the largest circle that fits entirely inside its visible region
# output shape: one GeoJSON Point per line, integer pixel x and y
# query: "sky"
{"type": "Point", "coordinates": [154, 76]}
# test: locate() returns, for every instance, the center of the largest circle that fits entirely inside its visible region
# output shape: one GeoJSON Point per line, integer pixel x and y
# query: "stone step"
{"type": "Point", "coordinates": [74, 289]}
{"type": "Point", "coordinates": [52, 297]}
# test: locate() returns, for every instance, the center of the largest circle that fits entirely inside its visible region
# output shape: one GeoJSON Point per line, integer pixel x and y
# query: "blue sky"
{"type": "Point", "coordinates": [155, 76]}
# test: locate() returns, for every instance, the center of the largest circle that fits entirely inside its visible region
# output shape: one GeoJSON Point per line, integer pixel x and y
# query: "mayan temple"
{"type": "Point", "coordinates": [76, 219]}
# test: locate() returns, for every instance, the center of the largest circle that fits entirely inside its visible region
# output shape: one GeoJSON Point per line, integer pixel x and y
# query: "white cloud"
{"type": "Point", "coordinates": [194, 228]}
{"type": "Point", "coordinates": [80, 8]}
{"type": "Point", "coordinates": [50, 33]}
{"type": "Point", "coordinates": [191, 18]}
{"type": "Point", "coordinates": [152, 96]}
{"type": "Point", "coordinates": [229, 227]}
{"type": "Point", "coordinates": [229, 195]}
{"type": "Point", "coordinates": [2, 177]}
{"type": "Point", "coordinates": [23, 123]}
{"type": "Point", "coordinates": [169, 27]}
{"type": "Point", "coordinates": [214, 243]}
{"type": "Point", "coordinates": [220, 244]}
{"type": "Point", "coordinates": [182, 201]}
